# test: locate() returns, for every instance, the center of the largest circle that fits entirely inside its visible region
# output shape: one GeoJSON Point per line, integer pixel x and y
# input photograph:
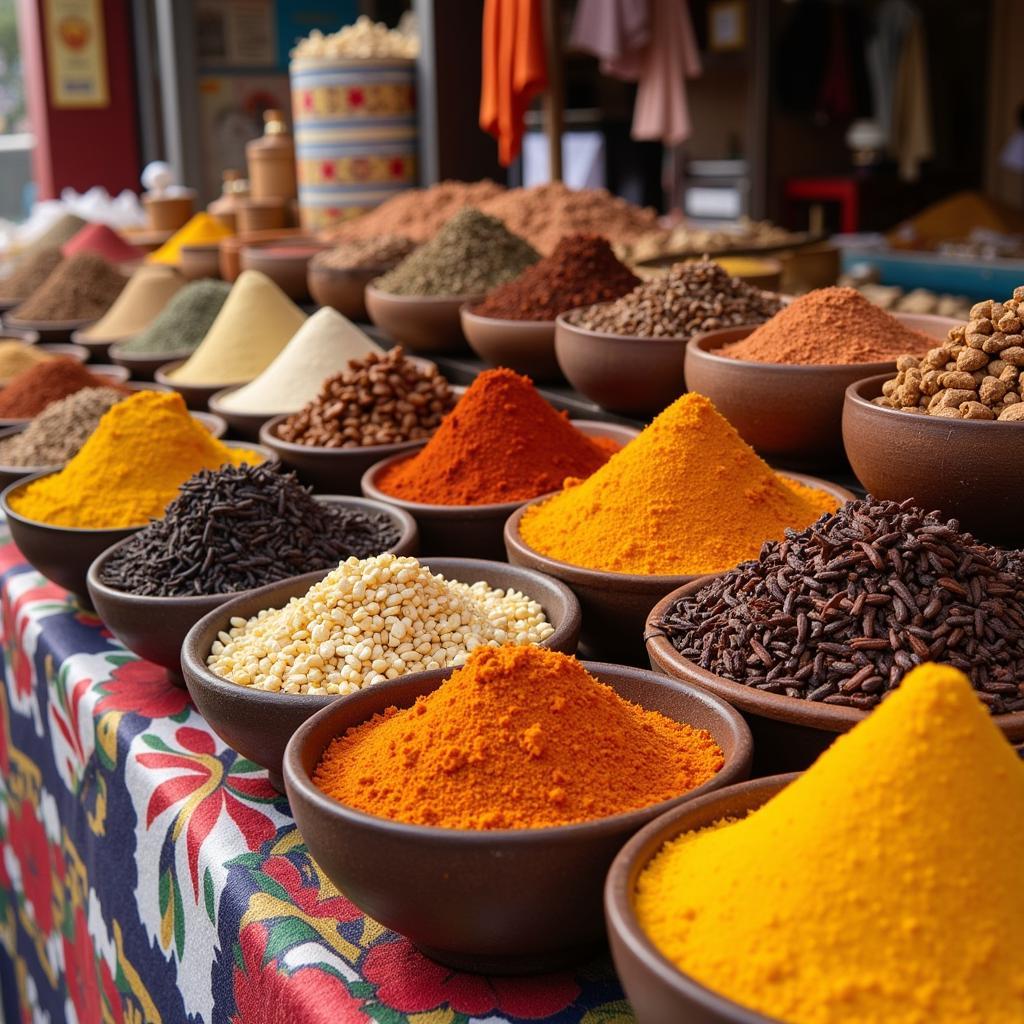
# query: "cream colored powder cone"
{"type": "Point", "coordinates": [148, 290]}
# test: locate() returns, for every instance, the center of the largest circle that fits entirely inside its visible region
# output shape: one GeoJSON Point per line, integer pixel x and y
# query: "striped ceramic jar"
{"type": "Point", "coordinates": [355, 135]}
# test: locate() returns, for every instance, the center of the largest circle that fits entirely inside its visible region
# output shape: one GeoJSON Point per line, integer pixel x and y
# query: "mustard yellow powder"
{"type": "Point", "coordinates": [200, 229]}
{"type": "Point", "coordinates": [882, 887]}
{"type": "Point", "coordinates": [142, 451]}
{"type": "Point", "coordinates": [687, 496]}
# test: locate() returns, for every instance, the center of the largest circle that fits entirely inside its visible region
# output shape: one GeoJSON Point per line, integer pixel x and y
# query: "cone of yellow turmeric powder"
{"type": "Point", "coordinates": [126, 473]}
{"type": "Point", "coordinates": [880, 887]}
{"type": "Point", "coordinates": [686, 497]}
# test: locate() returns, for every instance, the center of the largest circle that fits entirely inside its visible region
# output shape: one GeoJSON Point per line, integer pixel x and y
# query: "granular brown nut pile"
{"type": "Point", "coordinates": [382, 399]}
{"type": "Point", "coordinates": [82, 287]}
{"type": "Point", "coordinates": [383, 251]}
{"type": "Point", "coordinates": [689, 299]}
{"type": "Point", "coordinates": [978, 374]}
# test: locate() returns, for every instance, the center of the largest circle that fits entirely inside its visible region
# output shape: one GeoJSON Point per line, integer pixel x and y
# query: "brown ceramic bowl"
{"type": "Point", "coordinates": [657, 990]}
{"type": "Point", "coordinates": [502, 901]}
{"type": "Point", "coordinates": [259, 723]}
{"type": "Point", "coordinates": [343, 288]}
{"type": "Point", "coordinates": [143, 366]}
{"type": "Point", "coordinates": [789, 732]}
{"type": "Point", "coordinates": [420, 324]}
{"type": "Point", "coordinates": [474, 531]}
{"type": "Point", "coordinates": [615, 604]}
{"type": "Point", "coordinates": [628, 375]}
{"type": "Point", "coordinates": [197, 396]}
{"type": "Point", "coordinates": [791, 414]}
{"type": "Point", "coordinates": [967, 469]}
{"type": "Point", "coordinates": [285, 264]}
{"type": "Point", "coordinates": [199, 261]}
{"type": "Point", "coordinates": [154, 628]}
{"type": "Point", "coordinates": [58, 331]}
{"type": "Point", "coordinates": [77, 352]}
{"type": "Point", "coordinates": [245, 424]}
{"type": "Point", "coordinates": [98, 350]}
{"type": "Point", "coordinates": [11, 334]}
{"type": "Point", "coordinates": [526, 346]}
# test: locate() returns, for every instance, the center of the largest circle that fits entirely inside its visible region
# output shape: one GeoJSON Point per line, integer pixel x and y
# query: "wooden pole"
{"type": "Point", "coordinates": [554, 98]}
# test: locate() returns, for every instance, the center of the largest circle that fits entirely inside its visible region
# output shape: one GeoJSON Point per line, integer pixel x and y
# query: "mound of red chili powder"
{"type": "Point", "coordinates": [32, 390]}
{"type": "Point", "coordinates": [502, 442]}
{"type": "Point", "coordinates": [581, 271]}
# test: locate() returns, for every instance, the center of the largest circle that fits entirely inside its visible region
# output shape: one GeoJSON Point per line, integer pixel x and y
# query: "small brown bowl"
{"type": "Point", "coordinates": [285, 265]}
{"type": "Point", "coordinates": [787, 413]}
{"type": "Point", "coordinates": [247, 425]}
{"type": "Point", "coordinates": [420, 323]}
{"type": "Point", "coordinates": [503, 901]}
{"type": "Point", "coordinates": [343, 288]}
{"type": "Point", "coordinates": [76, 352]}
{"type": "Point", "coordinates": [116, 374]}
{"type": "Point", "coordinates": [628, 375]}
{"type": "Point", "coordinates": [143, 366]}
{"type": "Point", "coordinates": [12, 334]}
{"type": "Point", "coordinates": [98, 350]}
{"type": "Point", "coordinates": [657, 990]}
{"type": "Point", "coordinates": [474, 531]}
{"type": "Point", "coordinates": [259, 723]}
{"type": "Point", "coordinates": [615, 604]}
{"type": "Point", "coordinates": [789, 732]}
{"type": "Point", "coordinates": [155, 628]}
{"type": "Point", "coordinates": [526, 346]}
{"type": "Point", "coordinates": [57, 331]}
{"type": "Point", "coordinates": [967, 469]}
{"type": "Point", "coordinates": [197, 396]}
{"type": "Point", "coordinates": [199, 261]}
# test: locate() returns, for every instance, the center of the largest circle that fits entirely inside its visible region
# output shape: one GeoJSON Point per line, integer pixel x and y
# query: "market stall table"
{"type": "Point", "coordinates": [150, 874]}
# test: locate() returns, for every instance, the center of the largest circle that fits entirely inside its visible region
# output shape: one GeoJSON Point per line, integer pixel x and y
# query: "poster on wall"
{"type": "Point", "coordinates": [76, 53]}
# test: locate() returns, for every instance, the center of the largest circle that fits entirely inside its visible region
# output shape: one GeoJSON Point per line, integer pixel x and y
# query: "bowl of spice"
{"type": "Point", "coordinates": [501, 446]}
{"type": "Point", "coordinates": [515, 863]}
{"type": "Point", "coordinates": [28, 393]}
{"type": "Point", "coordinates": [782, 384]}
{"type": "Point", "coordinates": [199, 262]}
{"type": "Point", "coordinates": [78, 292]}
{"type": "Point", "coordinates": [153, 587]}
{"type": "Point", "coordinates": [810, 635]}
{"type": "Point", "coordinates": [439, 610]}
{"type": "Point", "coordinates": [417, 303]}
{"type": "Point", "coordinates": [686, 498]}
{"type": "Point", "coordinates": [321, 348]}
{"type": "Point", "coordinates": [860, 890]}
{"type": "Point", "coordinates": [628, 356]}
{"type": "Point", "coordinates": [514, 325]}
{"type": "Point", "coordinates": [175, 333]}
{"type": "Point", "coordinates": [379, 406]}
{"type": "Point", "coordinates": [126, 473]}
{"type": "Point", "coordinates": [34, 268]}
{"type": "Point", "coordinates": [338, 277]}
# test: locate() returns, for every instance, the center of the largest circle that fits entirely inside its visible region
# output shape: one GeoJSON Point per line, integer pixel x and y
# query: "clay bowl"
{"type": "Point", "coordinates": [967, 469]}
{"type": "Point", "coordinates": [12, 334]}
{"type": "Point", "coordinates": [197, 396]}
{"type": "Point", "coordinates": [788, 414]}
{"type": "Point", "coordinates": [615, 605]}
{"type": "Point", "coordinates": [789, 732]}
{"type": "Point", "coordinates": [504, 901]}
{"type": "Point", "coordinates": [526, 346]}
{"type": "Point", "coordinates": [627, 375]}
{"type": "Point", "coordinates": [657, 990]}
{"type": "Point", "coordinates": [342, 288]}
{"type": "Point", "coordinates": [259, 723]}
{"type": "Point", "coordinates": [244, 424]}
{"type": "Point", "coordinates": [154, 628]}
{"type": "Point", "coordinates": [285, 264]}
{"type": "Point", "coordinates": [471, 530]}
{"type": "Point", "coordinates": [143, 366]}
{"type": "Point", "coordinates": [98, 349]}
{"type": "Point", "coordinates": [420, 324]}
{"type": "Point", "coordinates": [57, 331]}
{"type": "Point", "coordinates": [199, 261]}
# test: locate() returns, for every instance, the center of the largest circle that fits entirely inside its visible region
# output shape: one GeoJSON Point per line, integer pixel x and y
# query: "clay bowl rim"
{"type": "Point", "coordinates": [269, 438]}
{"type": "Point", "coordinates": [17, 334]}
{"type": "Point", "coordinates": [45, 326]}
{"type": "Point", "coordinates": [854, 397]}
{"type": "Point", "coordinates": [503, 322]}
{"type": "Point", "coordinates": [160, 376]}
{"type": "Point", "coordinates": [563, 321]}
{"type": "Point", "coordinates": [774, 706]}
{"type": "Point", "coordinates": [213, 404]}
{"type": "Point", "coordinates": [439, 300]}
{"type": "Point", "coordinates": [93, 344]}
{"type": "Point", "coordinates": [408, 530]}
{"type": "Point", "coordinates": [637, 853]}
{"type": "Point", "coordinates": [193, 664]}
{"type": "Point", "coordinates": [375, 271]}
{"type": "Point", "coordinates": [58, 348]}
{"type": "Point", "coordinates": [740, 764]}
{"type": "Point", "coordinates": [583, 576]}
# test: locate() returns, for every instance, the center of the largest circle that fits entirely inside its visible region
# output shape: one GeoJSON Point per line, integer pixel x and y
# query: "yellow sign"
{"type": "Point", "coordinates": [76, 53]}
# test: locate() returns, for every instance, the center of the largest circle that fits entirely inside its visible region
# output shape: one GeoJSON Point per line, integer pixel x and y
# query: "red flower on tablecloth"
{"type": "Point", "coordinates": [143, 688]}
{"type": "Point", "coordinates": [207, 789]}
{"type": "Point", "coordinates": [306, 896]}
{"type": "Point", "coordinates": [27, 837]}
{"type": "Point", "coordinates": [410, 982]}
{"type": "Point", "coordinates": [89, 984]}
{"type": "Point", "coordinates": [14, 634]}
{"type": "Point", "coordinates": [266, 994]}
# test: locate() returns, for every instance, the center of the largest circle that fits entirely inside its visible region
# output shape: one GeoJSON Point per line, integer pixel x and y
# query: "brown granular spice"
{"type": "Point", "coordinates": [32, 390]}
{"type": "Point", "coordinates": [829, 327]}
{"type": "Point", "coordinates": [581, 271]}
{"type": "Point", "coordinates": [30, 274]}
{"type": "Point", "coordinates": [83, 287]}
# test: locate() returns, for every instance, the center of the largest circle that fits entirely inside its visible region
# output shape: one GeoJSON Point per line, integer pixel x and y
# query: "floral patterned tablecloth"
{"type": "Point", "coordinates": [150, 874]}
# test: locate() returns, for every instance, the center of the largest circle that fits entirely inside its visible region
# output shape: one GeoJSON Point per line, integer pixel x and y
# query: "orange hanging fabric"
{"type": "Point", "coordinates": [514, 70]}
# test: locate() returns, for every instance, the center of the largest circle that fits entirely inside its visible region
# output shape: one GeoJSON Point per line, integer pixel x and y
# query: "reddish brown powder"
{"type": "Point", "coordinates": [829, 327]}
{"type": "Point", "coordinates": [32, 390]}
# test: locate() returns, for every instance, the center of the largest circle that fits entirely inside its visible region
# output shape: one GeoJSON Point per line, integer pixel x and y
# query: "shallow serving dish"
{"type": "Point", "coordinates": [967, 469]}
{"type": "Point", "coordinates": [143, 366]}
{"type": "Point", "coordinates": [420, 323]}
{"type": "Point", "coordinates": [154, 628]}
{"type": "Point", "coordinates": [47, 330]}
{"type": "Point", "coordinates": [343, 288]}
{"type": "Point", "coordinates": [259, 723]}
{"type": "Point", "coordinates": [472, 530]}
{"type": "Point", "coordinates": [526, 346]}
{"type": "Point", "coordinates": [657, 990]}
{"type": "Point", "coordinates": [502, 901]}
